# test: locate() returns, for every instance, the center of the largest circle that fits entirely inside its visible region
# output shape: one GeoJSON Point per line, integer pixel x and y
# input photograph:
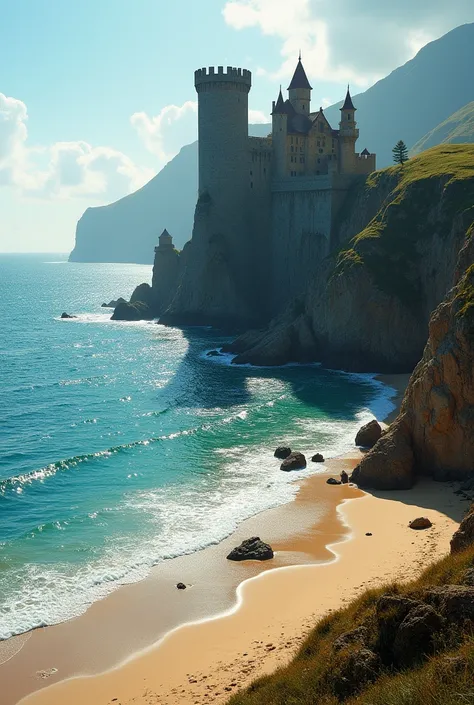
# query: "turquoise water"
{"type": "Point", "coordinates": [122, 444]}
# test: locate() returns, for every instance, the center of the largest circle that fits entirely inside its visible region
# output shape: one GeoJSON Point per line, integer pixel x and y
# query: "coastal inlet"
{"type": "Point", "coordinates": [123, 444]}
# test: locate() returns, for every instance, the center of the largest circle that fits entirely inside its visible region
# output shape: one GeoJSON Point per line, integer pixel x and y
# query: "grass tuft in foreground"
{"type": "Point", "coordinates": [407, 644]}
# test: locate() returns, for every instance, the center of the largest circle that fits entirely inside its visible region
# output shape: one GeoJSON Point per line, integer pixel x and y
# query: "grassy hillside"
{"type": "Point", "coordinates": [439, 180]}
{"type": "Point", "coordinates": [457, 129]}
{"type": "Point", "coordinates": [352, 656]}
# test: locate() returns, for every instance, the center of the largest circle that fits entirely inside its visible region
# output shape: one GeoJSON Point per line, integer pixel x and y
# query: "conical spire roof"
{"type": "Point", "coordinates": [299, 80]}
{"type": "Point", "coordinates": [348, 104]}
{"type": "Point", "coordinates": [280, 104]}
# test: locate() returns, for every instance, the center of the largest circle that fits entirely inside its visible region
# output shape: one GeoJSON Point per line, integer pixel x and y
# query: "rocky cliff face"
{"type": "Point", "coordinates": [434, 432]}
{"type": "Point", "coordinates": [369, 304]}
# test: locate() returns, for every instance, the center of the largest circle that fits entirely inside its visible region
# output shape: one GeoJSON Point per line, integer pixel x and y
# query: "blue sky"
{"type": "Point", "coordinates": [96, 95]}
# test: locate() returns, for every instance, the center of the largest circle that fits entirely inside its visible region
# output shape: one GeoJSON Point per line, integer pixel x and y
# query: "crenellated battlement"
{"type": "Point", "coordinates": [216, 75]}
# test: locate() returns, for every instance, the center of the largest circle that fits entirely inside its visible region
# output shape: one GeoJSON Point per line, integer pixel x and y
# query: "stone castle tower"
{"type": "Point", "coordinates": [266, 207]}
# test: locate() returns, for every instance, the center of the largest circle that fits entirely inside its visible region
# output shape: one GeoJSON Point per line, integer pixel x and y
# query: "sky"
{"type": "Point", "coordinates": [97, 96]}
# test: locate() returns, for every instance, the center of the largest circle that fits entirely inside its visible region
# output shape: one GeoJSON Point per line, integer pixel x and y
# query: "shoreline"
{"type": "Point", "coordinates": [41, 651]}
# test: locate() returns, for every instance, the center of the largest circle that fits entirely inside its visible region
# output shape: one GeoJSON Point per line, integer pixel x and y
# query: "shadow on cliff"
{"type": "Point", "coordinates": [206, 382]}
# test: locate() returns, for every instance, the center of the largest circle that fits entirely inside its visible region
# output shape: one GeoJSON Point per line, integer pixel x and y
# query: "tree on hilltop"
{"type": "Point", "coordinates": [400, 152]}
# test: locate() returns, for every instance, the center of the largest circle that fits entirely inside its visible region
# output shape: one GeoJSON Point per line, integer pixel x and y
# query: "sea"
{"type": "Point", "coordinates": [123, 445]}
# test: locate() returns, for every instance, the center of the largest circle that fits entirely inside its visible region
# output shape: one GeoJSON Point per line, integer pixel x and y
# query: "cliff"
{"type": "Point", "coordinates": [394, 259]}
{"type": "Point", "coordinates": [434, 432]}
{"type": "Point", "coordinates": [127, 230]}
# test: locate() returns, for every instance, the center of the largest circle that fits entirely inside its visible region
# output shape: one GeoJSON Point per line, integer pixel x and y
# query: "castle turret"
{"type": "Point", "coordinates": [223, 131]}
{"type": "Point", "coordinates": [279, 133]}
{"type": "Point", "coordinates": [300, 90]}
{"type": "Point", "coordinates": [165, 273]}
{"type": "Point", "coordinates": [348, 135]}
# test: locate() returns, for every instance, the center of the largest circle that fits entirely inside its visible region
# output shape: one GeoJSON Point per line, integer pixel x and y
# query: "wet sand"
{"type": "Point", "coordinates": [136, 617]}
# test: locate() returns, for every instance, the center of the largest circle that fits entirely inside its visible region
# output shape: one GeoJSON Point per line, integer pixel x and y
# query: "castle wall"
{"type": "Point", "coordinates": [304, 211]}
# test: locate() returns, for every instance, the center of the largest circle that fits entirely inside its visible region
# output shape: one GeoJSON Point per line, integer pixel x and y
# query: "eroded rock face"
{"type": "Point", "coordinates": [369, 434]}
{"type": "Point", "coordinates": [253, 549]}
{"type": "Point", "coordinates": [464, 536]}
{"type": "Point", "coordinates": [434, 432]}
{"type": "Point", "coordinates": [414, 639]}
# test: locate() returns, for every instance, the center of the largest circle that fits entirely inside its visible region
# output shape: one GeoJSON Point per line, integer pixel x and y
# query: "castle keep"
{"type": "Point", "coordinates": [266, 206]}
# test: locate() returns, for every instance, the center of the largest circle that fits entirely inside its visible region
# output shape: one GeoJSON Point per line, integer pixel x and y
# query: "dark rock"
{"type": "Point", "coordinates": [389, 465]}
{"type": "Point", "coordinates": [282, 452]}
{"type": "Point", "coordinates": [359, 668]}
{"type": "Point", "coordinates": [356, 636]}
{"type": "Point", "coordinates": [213, 353]}
{"type": "Point", "coordinates": [132, 312]}
{"type": "Point", "coordinates": [369, 434]}
{"type": "Point", "coordinates": [252, 549]}
{"type": "Point", "coordinates": [368, 533]}
{"type": "Point", "coordinates": [318, 458]}
{"type": "Point", "coordinates": [391, 611]}
{"type": "Point", "coordinates": [67, 315]}
{"type": "Point", "coordinates": [181, 586]}
{"type": "Point", "coordinates": [333, 481]}
{"type": "Point", "coordinates": [344, 477]}
{"type": "Point", "coordinates": [295, 461]}
{"type": "Point", "coordinates": [468, 577]}
{"type": "Point", "coordinates": [143, 293]}
{"type": "Point", "coordinates": [414, 639]}
{"type": "Point", "coordinates": [420, 523]}
{"type": "Point", "coordinates": [114, 303]}
{"type": "Point", "coordinates": [454, 602]}
{"type": "Point", "coordinates": [464, 536]}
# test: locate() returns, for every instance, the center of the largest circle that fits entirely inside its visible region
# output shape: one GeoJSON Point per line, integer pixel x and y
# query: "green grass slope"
{"type": "Point", "coordinates": [457, 129]}
{"type": "Point", "coordinates": [440, 179]}
{"type": "Point", "coordinates": [321, 673]}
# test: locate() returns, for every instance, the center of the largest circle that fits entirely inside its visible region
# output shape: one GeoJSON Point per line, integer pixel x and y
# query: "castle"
{"type": "Point", "coordinates": [266, 207]}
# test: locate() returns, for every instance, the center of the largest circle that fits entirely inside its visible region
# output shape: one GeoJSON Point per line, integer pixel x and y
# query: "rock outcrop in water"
{"type": "Point", "coordinates": [434, 432]}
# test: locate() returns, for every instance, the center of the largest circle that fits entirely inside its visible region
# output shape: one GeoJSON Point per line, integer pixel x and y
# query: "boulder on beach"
{"type": "Point", "coordinates": [253, 549]}
{"type": "Point", "coordinates": [333, 481]}
{"type": "Point", "coordinates": [295, 461]}
{"type": "Point", "coordinates": [344, 477]}
{"type": "Point", "coordinates": [67, 315]}
{"type": "Point", "coordinates": [369, 434]}
{"type": "Point", "coordinates": [420, 523]}
{"type": "Point", "coordinates": [282, 452]}
{"type": "Point", "coordinates": [181, 586]}
{"type": "Point", "coordinates": [318, 458]}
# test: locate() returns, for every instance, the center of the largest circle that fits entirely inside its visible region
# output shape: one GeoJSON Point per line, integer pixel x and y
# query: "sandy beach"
{"type": "Point", "coordinates": [235, 621]}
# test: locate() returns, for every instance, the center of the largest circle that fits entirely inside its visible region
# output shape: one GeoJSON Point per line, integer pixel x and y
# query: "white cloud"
{"type": "Point", "coordinates": [258, 117]}
{"type": "Point", "coordinates": [164, 134]}
{"type": "Point", "coordinates": [342, 41]}
{"type": "Point", "coordinates": [64, 169]}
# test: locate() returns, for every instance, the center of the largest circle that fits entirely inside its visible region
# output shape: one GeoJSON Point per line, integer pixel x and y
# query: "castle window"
{"type": "Point", "coordinates": [319, 143]}
{"type": "Point", "coordinates": [251, 184]}
{"type": "Point", "coordinates": [320, 151]}
{"type": "Point", "coordinates": [301, 149]}
{"type": "Point", "coordinates": [319, 162]}
{"type": "Point", "coordinates": [264, 171]}
{"type": "Point", "coordinates": [321, 127]}
{"type": "Point", "coordinates": [251, 173]}
{"type": "Point", "coordinates": [301, 160]}
{"type": "Point", "coordinates": [292, 149]}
